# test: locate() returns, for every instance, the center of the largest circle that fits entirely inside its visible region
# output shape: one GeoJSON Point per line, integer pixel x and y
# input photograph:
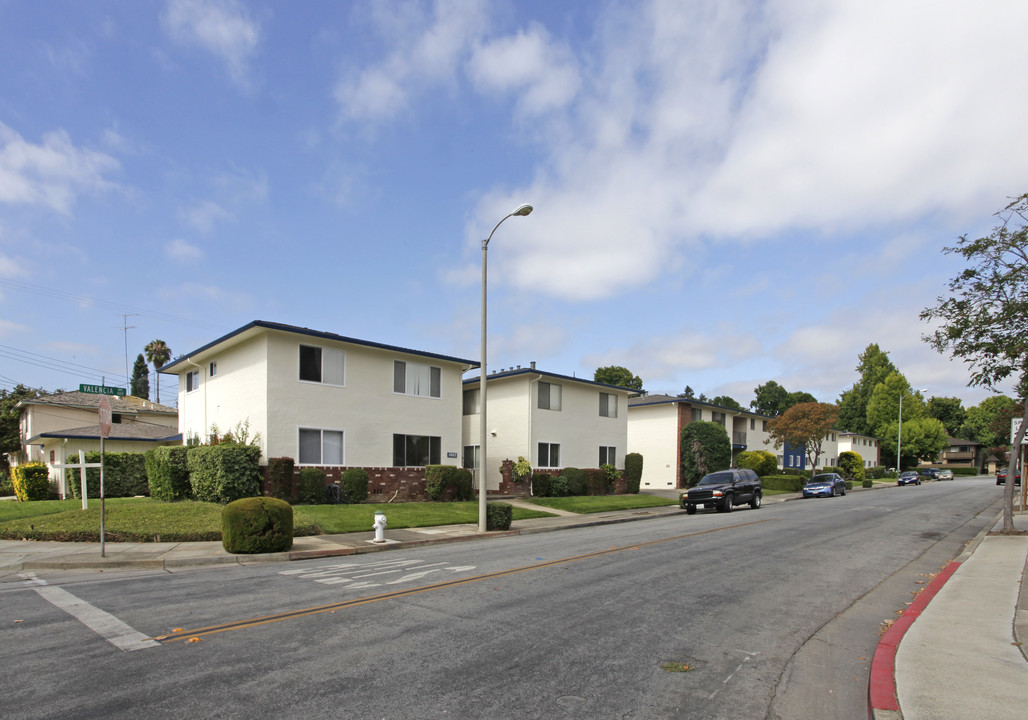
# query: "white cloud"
{"type": "Point", "coordinates": [204, 215]}
{"type": "Point", "coordinates": [7, 327]}
{"type": "Point", "coordinates": [9, 267]}
{"type": "Point", "coordinates": [53, 173]}
{"type": "Point", "coordinates": [530, 63]}
{"type": "Point", "coordinates": [181, 251]}
{"type": "Point", "coordinates": [425, 51]}
{"type": "Point", "coordinates": [222, 27]}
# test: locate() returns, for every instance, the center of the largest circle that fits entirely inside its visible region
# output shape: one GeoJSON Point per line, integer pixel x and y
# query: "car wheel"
{"type": "Point", "coordinates": [833, 492]}
{"type": "Point", "coordinates": [843, 490]}
{"type": "Point", "coordinates": [690, 509]}
{"type": "Point", "coordinates": [755, 501]}
{"type": "Point", "coordinates": [726, 504]}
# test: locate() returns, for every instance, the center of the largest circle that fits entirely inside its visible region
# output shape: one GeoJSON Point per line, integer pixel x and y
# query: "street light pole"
{"type": "Point", "coordinates": [520, 211]}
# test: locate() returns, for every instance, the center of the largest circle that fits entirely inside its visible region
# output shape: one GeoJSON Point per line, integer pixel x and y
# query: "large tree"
{"type": "Point", "coordinates": [983, 319]}
{"type": "Point", "coordinates": [949, 411]}
{"type": "Point", "coordinates": [705, 448]}
{"type": "Point", "coordinates": [726, 402]}
{"type": "Point", "coordinates": [883, 406]}
{"type": "Point", "coordinates": [617, 375]}
{"type": "Point", "coordinates": [140, 378]}
{"type": "Point", "coordinates": [806, 425]}
{"type": "Point", "coordinates": [923, 439]}
{"type": "Point", "coordinates": [158, 354]}
{"type": "Point", "coordinates": [769, 399]}
{"type": "Point", "coordinates": [874, 367]}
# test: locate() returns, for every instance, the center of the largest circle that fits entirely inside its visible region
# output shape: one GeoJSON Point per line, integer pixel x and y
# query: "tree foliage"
{"type": "Point", "coordinates": [619, 376]}
{"type": "Point", "coordinates": [806, 425]}
{"type": "Point", "coordinates": [883, 407]}
{"type": "Point", "coordinates": [772, 399]}
{"type": "Point", "coordinates": [705, 448]}
{"type": "Point", "coordinates": [983, 319]}
{"type": "Point", "coordinates": [158, 354]}
{"type": "Point", "coordinates": [726, 402]}
{"type": "Point", "coordinates": [874, 367]}
{"type": "Point", "coordinates": [949, 411]}
{"type": "Point", "coordinates": [923, 439]}
{"type": "Point", "coordinates": [140, 378]}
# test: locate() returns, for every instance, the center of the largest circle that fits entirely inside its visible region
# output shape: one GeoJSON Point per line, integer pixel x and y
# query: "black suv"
{"type": "Point", "coordinates": [724, 490]}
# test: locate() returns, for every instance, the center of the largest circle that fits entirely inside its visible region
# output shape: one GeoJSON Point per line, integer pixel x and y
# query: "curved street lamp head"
{"type": "Point", "coordinates": [522, 210]}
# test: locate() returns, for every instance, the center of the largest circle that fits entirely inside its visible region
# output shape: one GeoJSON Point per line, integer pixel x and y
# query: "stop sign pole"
{"type": "Point", "coordinates": [106, 417]}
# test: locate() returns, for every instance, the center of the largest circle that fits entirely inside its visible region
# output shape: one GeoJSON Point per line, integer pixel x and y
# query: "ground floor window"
{"type": "Point", "coordinates": [549, 455]}
{"type": "Point", "coordinates": [321, 447]}
{"type": "Point", "coordinates": [608, 455]}
{"type": "Point", "coordinates": [416, 450]}
{"type": "Point", "coordinates": [471, 453]}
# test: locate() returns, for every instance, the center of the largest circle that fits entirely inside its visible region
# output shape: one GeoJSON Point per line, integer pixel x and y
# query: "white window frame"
{"type": "Point", "coordinates": [321, 446]}
{"type": "Point", "coordinates": [550, 399]}
{"type": "Point", "coordinates": [606, 451]}
{"type": "Point", "coordinates": [549, 455]}
{"type": "Point", "coordinates": [476, 452]}
{"type": "Point", "coordinates": [192, 381]}
{"type": "Point", "coordinates": [335, 369]}
{"type": "Point", "coordinates": [608, 405]}
{"type": "Point", "coordinates": [411, 378]}
{"type": "Point", "coordinates": [475, 404]}
{"type": "Point", "coordinates": [212, 368]}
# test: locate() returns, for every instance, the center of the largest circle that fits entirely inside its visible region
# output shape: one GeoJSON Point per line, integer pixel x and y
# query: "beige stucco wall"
{"type": "Point", "coordinates": [653, 433]}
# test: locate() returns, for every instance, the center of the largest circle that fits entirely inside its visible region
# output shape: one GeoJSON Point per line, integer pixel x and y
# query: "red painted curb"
{"type": "Point", "coordinates": [881, 688]}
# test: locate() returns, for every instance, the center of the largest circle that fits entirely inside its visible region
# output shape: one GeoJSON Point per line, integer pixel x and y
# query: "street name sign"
{"type": "Point", "coordinates": [102, 390]}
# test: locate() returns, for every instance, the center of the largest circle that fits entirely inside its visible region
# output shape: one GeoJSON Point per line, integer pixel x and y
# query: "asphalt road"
{"type": "Point", "coordinates": [776, 612]}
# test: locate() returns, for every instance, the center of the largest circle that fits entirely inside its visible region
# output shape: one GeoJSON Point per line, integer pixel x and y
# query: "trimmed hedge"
{"type": "Point", "coordinates": [257, 525]}
{"type": "Point", "coordinates": [280, 477]}
{"type": "Point", "coordinates": [6, 484]}
{"type": "Point", "coordinates": [598, 482]}
{"type": "Point", "coordinates": [633, 472]}
{"type": "Point", "coordinates": [167, 473]}
{"type": "Point", "coordinates": [312, 486]}
{"type": "Point", "coordinates": [31, 482]}
{"type": "Point", "coordinates": [576, 480]}
{"type": "Point", "coordinates": [447, 483]}
{"type": "Point", "coordinates": [541, 484]}
{"type": "Point", "coordinates": [223, 473]}
{"type": "Point", "coordinates": [498, 516]}
{"type": "Point", "coordinates": [761, 462]}
{"type": "Point", "coordinates": [968, 472]}
{"type": "Point", "coordinates": [789, 483]}
{"type": "Point", "coordinates": [124, 475]}
{"type": "Point", "coordinates": [353, 486]}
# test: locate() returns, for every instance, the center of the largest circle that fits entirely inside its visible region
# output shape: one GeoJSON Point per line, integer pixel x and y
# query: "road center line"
{"type": "Point", "coordinates": [303, 612]}
{"type": "Point", "coordinates": [110, 628]}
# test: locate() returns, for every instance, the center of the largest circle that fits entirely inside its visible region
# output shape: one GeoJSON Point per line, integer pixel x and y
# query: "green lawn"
{"type": "Point", "coordinates": [601, 503]}
{"type": "Point", "coordinates": [146, 520]}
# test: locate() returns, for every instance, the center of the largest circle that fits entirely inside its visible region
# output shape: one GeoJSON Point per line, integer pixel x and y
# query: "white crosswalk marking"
{"type": "Point", "coordinates": [355, 576]}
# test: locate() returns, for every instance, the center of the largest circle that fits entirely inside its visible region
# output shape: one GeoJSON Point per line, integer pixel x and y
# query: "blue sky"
{"type": "Point", "coordinates": [725, 193]}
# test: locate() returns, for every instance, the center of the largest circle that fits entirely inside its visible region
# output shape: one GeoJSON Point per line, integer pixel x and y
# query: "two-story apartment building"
{"type": "Point", "coordinates": [869, 448]}
{"type": "Point", "coordinates": [324, 399]}
{"type": "Point", "coordinates": [553, 421]}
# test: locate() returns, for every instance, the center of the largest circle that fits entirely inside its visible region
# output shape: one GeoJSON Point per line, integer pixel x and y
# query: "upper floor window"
{"type": "Point", "coordinates": [213, 369]}
{"type": "Point", "coordinates": [763, 425]}
{"type": "Point", "coordinates": [753, 424]}
{"type": "Point", "coordinates": [192, 380]}
{"type": "Point", "coordinates": [718, 417]}
{"type": "Point", "coordinates": [416, 379]}
{"type": "Point", "coordinates": [471, 401]}
{"type": "Point", "coordinates": [608, 405]}
{"type": "Point", "coordinates": [322, 365]}
{"type": "Point", "coordinates": [549, 396]}
{"type": "Point", "coordinates": [697, 414]}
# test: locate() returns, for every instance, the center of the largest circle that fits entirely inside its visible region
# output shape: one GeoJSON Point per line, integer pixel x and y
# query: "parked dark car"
{"type": "Point", "coordinates": [825, 485]}
{"type": "Point", "coordinates": [1001, 477]}
{"type": "Point", "coordinates": [908, 477]}
{"type": "Point", "coordinates": [723, 490]}
{"type": "Point", "coordinates": [930, 473]}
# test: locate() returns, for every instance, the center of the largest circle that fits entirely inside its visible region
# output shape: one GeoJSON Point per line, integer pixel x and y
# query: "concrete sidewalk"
{"type": "Point", "coordinates": [960, 654]}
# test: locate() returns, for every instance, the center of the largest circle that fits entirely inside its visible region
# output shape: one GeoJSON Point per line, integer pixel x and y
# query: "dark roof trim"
{"type": "Point", "coordinates": [85, 435]}
{"type": "Point", "coordinates": [530, 371]}
{"type": "Point", "coordinates": [315, 334]}
{"type": "Point", "coordinates": [666, 399]}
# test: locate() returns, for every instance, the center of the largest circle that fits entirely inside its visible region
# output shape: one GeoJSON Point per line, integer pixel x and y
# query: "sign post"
{"type": "Point", "coordinates": [106, 416]}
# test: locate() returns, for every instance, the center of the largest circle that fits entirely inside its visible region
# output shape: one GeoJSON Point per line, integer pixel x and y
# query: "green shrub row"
{"type": "Point", "coordinates": [6, 484]}
{"type": "Point", "coordinates": [280, 477]}
{"type": "Point", "coordinates": [168, 473]}
{"type": "Point", "coordinates": [788, 483]}
{"type": "Point", "coordinates": [447, 483]}
{"type": "Point", "coordinates": [761, 462]}
{"type": "Point", "coordinates": [964, 471]}
{"type": "Point", "coordinates": [124, 475]}
{"type": "Point", "coordinates": [223, 473]}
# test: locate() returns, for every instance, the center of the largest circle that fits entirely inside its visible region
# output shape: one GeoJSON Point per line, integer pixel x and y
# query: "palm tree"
{"type": "Point", "coordinates": [158, 353]}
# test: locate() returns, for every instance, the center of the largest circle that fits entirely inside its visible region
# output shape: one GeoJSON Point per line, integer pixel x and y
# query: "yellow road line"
{"type": "Point", "coordinates": [254, 622]}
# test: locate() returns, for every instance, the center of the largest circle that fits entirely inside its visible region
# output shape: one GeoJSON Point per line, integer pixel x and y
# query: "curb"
{"type": "Point", "coordinates": [883, 703]}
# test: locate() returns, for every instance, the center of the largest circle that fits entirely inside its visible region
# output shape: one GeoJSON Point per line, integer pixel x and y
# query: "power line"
{"type": "Point", "coordinates": [55, 364]}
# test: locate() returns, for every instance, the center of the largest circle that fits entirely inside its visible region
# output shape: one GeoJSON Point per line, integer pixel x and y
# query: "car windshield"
{"type": "Point", "coordinates": [908, 473]}
{"type": "Point", "coordinates": [719, 478]}
{"type": "Point", "coordinates": [820, 479]}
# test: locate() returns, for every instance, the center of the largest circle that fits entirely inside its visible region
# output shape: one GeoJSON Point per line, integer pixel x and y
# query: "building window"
{"type": "Point", "coordinates": [697, 414]}
{"type": "Point", "coordinates": [608, 455]}
{"type": "Point", "coordinates": [322, 365]}
{"type": "Point", "coordinates": [549, 396]}
{"type": "Point", "coordinates": [416, 379]}
{"type": "Point", "coordinates": [718, 417]}
{"type": "Point", "coordinates": [471, 401]}
{"type": "Point", "coordinates": [549, 455]}
{"type": "Point", "coordinates": [470, 460]}
{"type": "Point", "coordinates": [416, 450]}
{"type": "Point", "coordinates": [763, 425]}
{"type": "Point", "coordinates": [192, 380]}
{"type": "Point", "coordinates": [321, 447]}
{"type": "Point", "coordinates": [213, 370]}
{"type": "Point", "coordinates": [608, 405]}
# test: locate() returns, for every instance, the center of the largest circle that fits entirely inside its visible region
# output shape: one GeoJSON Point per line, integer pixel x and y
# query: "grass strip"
{"type": "Point", "coordinates": [586, 504]}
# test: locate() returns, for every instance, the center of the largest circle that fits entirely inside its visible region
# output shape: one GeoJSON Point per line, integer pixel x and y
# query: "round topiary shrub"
{"type": "Point", "coordinates": [867, 482]}
{"type": "Point", "coordinates": [576, 481]}
{"type": "Point", "coordinates": [257, 525]}
{"type": "Point", "coordinates": [353, 485]}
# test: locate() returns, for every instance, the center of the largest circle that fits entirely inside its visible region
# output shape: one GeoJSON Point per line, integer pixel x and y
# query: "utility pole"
{"type": "Point", "coordinates": [126, 327]}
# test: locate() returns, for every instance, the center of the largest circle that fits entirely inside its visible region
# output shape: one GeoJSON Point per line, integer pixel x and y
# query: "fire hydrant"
{"type": "Point", "coordinates": [379, 527]}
